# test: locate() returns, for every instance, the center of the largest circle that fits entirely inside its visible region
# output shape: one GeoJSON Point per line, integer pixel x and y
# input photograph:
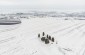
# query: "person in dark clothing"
{"type": "Point", "coordinates": [52, 39]}
{"type": "Point", "coordinates": [46, 41]}
{"type": "Point", "coordinates": [49, 37]}
{"type": "Point", "coordinates": [38, 35]}
{"type": "Point", "coordinates": [43, 33]}
{"type": "Point", "coordinates": [43, 38]}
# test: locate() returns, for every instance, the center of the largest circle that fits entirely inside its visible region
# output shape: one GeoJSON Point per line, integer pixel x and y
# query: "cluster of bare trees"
{"type": "Point", "coordinates": [45, 38]}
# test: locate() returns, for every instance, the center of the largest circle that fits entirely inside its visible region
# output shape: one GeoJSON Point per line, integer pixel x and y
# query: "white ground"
{"type": "Point", "coordinates": [22, 39]}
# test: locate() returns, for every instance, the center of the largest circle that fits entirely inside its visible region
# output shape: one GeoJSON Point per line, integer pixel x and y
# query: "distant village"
{"type": "Point", "coordinates": [51, 14]}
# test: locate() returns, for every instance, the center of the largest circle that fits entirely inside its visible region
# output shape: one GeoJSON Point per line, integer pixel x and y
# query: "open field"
{"type": "Point", "coordinates": [23, 40]}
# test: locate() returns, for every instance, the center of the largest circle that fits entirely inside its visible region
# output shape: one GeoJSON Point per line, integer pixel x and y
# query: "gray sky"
{"type": "Point", "coordinates": [43, 4]}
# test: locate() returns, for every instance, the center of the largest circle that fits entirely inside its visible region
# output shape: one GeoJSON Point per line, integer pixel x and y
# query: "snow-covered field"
{"type": "Point", "coordinates": [22, 39]}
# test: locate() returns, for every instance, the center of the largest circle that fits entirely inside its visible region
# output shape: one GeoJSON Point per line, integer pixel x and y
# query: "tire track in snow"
{"type": "Point", "coordinates": [9, 29]}
{"type": "Point", "coordinates": [12, 50]}
{"type": "Point", "coordinates": [66, 28]}
{"type": "Point", "coordinates": [7, 40]}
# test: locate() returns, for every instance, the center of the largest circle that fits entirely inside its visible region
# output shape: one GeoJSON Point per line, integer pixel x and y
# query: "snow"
{"type": "Point", "coordinates": [22, 39]}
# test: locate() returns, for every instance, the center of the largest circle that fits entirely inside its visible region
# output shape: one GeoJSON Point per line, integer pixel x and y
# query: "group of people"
{"type": "Point", "coordinates": [46, 38]}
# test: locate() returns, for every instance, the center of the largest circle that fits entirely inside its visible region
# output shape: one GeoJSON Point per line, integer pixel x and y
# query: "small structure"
{"type": "Point", "coordinates": [9, 21]}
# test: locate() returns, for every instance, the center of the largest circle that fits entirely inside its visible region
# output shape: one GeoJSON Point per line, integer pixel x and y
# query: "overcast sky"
{"type": "Point", "coordinates": [43, 4]}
